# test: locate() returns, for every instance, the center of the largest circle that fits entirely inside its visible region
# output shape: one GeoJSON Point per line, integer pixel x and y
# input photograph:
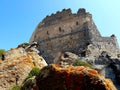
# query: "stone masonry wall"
{"type": "Point", "coordinates": [65, 31]}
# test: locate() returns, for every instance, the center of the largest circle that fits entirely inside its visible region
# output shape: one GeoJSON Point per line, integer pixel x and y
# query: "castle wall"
{"type": "Point", "coordinates": [65, 31]}
{"type": "Point", "coordinates": [59, 15]}
{"type": "Point", "coordinates": [69, 34]}
{"type": "Point", "coordinates": [67, 42]}
{"type": "Point", "coordinates": [66, 26]}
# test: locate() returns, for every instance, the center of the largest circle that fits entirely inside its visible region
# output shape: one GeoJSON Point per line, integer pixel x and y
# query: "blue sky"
{"type": "Point", "coordinates": [19, 18]}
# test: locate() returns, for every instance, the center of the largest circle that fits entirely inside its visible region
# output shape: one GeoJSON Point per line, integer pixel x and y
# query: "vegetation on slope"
{"type": "Point", "coordinates": [81, 63]}
{"type": "Point", "coordinates": [34, 72]}
{"type": "Point", "coordinates": [16, 87]}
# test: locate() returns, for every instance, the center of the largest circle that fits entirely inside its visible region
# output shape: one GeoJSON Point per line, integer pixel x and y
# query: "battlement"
{"type": "Point", "coordinates": [65, 13]}
{"type": "Point", "coordinates": [81, 11]}
{"type": "Point", "coordinates": [58, 15]}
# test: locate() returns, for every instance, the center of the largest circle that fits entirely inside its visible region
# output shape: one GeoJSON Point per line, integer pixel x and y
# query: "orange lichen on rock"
{"type": "Point", "coordinates": [54, 77]}
{"type": "Point", "coordinates": [94, 72]}
{"type": "Point", "coordinates": [0, 60]}
{"type": "Point", "coordinates": [17, 65]}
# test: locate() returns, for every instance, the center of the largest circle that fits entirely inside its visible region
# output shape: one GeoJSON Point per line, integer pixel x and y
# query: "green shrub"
{"type": "Point", "coordinates": [16, 87]}
{"type": "Point", "coordinates": [34, 72]}
{"type": "Point", "coordinates": [23, 45]}
{"type": "Point", "coordinates": [1, 52]}
{"type": "Point", "coordinates": [81, 63]}
{"type": "Point", "coordinates": [118, 55]}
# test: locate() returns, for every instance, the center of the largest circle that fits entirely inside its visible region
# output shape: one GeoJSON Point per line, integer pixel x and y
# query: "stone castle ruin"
{"type": "Point", "coordinates": [72, 32]}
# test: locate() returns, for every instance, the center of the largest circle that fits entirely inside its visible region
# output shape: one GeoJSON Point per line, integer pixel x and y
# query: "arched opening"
{"type": "Point", "coordinates": [77, 23]}
{"type": "Point", "coordinates": [47, 33]}
{"type": "Point", "coordinates": [60, 29]}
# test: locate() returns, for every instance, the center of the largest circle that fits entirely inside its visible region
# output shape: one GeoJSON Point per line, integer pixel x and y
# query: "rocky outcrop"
{"type": "Point", "coordinates": [66, 58]}
{"type": "Point", "coordinates": [17, 64]}
{"type": "Point", "coordinates": [54, 77]}
{"type": "Point", "coordinates": [29, 84]}
{"type": "Point", "coordinates": [106, 65]}
{"type": "Point", "coordinates": [109, 67]}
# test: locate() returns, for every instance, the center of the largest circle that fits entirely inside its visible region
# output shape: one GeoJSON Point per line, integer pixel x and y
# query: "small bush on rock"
{"type": "Point", "coordinates": [16, 87]}
{"type": "Point", "coordinates": [23, 45]}
{"type": "Point", "coordinates": [81, 63]}
{"type": "Point", "coordinates": [34, 72]}
{"type": "Point", "coordinates": [1, 52]}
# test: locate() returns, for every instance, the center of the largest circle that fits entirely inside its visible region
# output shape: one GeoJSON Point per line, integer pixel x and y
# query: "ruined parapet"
{"type": "Point", "coordinates": [58, 15]}
{"type": "Point", "coordinates": [81, 11]}
{"type": "Point", "coordinates": [65, 20]}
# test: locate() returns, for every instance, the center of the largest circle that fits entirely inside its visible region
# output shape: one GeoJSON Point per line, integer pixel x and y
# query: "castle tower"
{"type": "Point", "coordinates": [65, 31]}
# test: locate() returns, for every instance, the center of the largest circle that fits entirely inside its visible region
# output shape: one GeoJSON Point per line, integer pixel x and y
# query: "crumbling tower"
{"type": "Point", "coordinates": [67, 31]}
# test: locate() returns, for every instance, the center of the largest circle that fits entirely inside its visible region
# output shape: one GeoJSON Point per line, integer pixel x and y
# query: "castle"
{"type": "Point", "coordinates": [74, 32]}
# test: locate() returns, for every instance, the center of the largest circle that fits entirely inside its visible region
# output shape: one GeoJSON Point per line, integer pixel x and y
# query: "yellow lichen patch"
{"type": "Point", "coordinates": [108, 84]}
{"type": "Point", "coordinates": [79, 68]}
{"type": "Point", "coordinates": [17, 64]}
{"type": "Point", "coordinates": [93, 72]}
{"type": "Point", "coordinates": [0, 61]}
{"type": "Point", "coordinates": [69, 69]}
{"type": "Point", "coordinates": [25, 62]}
{"type": "Point", "coordinates": [57, 68]}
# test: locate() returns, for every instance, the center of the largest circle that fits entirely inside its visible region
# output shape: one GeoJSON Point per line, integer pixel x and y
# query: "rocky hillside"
{"type": "Point", "coordinates": [16, 65]}
{"type": "Point", "coordinates": [19, 62]}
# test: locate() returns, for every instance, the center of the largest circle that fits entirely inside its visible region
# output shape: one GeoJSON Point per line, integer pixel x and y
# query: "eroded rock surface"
{"type": "Point", "coordinates": [66, 58]}
{"type": "Point", "coordinates": [16, 66]}
{"type": "Point", "coordinates": [54, 77]}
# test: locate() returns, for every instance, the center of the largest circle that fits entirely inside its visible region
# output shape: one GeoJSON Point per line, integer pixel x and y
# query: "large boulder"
{"type": "Point", "coordinates": [54, 77]}
{"type": "Point", "coordinates": [16, 66]}
{"type": "Point", "coordinates": [66, 58]}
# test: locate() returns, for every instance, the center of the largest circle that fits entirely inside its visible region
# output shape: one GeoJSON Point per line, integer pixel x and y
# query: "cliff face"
{"type": "Point", "coordinates": [74, 32]}
{"type": "Point", "coordinates": [16, 65]}
{"type": "Point", "coordinates": [55, 77]}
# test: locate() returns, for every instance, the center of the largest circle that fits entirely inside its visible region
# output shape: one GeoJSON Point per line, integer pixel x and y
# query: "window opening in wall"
{"type": "Point", "coordinates": [71, 29]}
{"type": "Point", "coordinates": [59, 41]}
{"type": "Point", "coordinates": [47, 33]}
{"type": "Point", "coordinates": [47, 44]}
{"type": "Point", "coordinates": [35, 36]}
{"type": "Point", "coordinates": [77, 23]}
{"type": "Point", "coordinates": [71, 37]}
{"type": "Point", "coordinates": [60, 29]}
